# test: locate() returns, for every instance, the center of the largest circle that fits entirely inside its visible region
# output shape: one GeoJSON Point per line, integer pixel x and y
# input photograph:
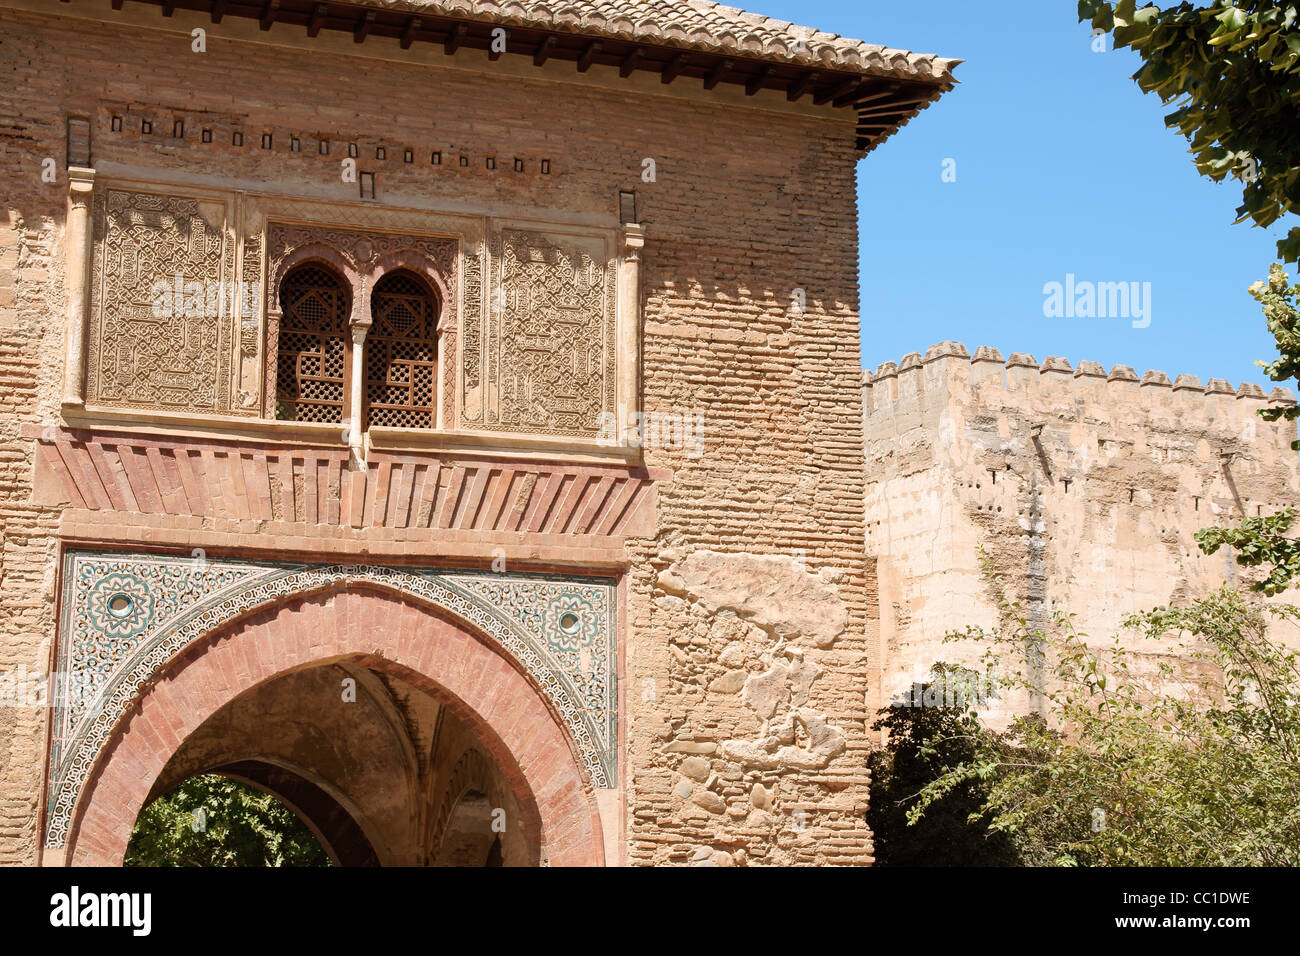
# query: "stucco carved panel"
{"type": "Point", "coordinates": [543, 359]}
{"type": "Point", "coordinates": [155, 349]}
{"type": "Point", "coordinates": [250, 325]}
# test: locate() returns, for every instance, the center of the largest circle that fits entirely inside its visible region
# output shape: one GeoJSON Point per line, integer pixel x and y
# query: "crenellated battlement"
{"type": "Point", "coordinates": [1054, 378]}
{"type": "Point", "coordinates": [1055, 390]}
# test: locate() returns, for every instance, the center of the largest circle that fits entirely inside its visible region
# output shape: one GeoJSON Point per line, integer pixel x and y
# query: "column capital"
{"type": "Point", "coordinates": [633, 239]}
{"type": "Point", "coordinates": [81, 182]}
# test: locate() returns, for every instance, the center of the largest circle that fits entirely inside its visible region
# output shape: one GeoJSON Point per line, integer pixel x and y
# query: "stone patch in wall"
{"type": "Point", "coordinates": [775, 592]}
{"type": "Point", "coordinates": [757, 614]}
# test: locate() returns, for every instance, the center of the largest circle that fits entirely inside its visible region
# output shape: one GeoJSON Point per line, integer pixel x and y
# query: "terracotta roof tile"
{"type": "Point", "coordinates": [697, 25]}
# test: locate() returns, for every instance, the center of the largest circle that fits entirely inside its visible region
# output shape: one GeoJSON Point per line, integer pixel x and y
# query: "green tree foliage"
{"type": "Point", "coordinates": [1132, 763]}
{"type": "Point", "coordinates": [211, 820]}
{"type": "Point", "coordinates": [1233, 71]}
{"type": "Point", "coordinates": [1262, 540]}
{"type": "Point", "coordinates": [1279, 299]}
{"type": "Point", "coordinates": [1265, 540]}
{"type": "Point", "coordinates": [924, 741]}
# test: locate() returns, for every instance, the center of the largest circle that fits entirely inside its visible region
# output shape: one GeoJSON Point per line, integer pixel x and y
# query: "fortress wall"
{"type": "Point", "coordinates": [1083, 488]}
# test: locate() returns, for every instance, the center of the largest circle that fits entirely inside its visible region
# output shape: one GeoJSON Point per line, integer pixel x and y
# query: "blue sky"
{"type": "Point", "coordinates": [1063, 165]}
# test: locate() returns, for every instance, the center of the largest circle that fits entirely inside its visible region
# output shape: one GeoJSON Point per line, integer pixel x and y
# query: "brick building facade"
{"type": "Point", "coordinates": [491, 372]}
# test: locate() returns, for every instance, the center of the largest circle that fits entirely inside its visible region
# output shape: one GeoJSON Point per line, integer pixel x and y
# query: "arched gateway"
{"type": "Point", "coordinates": [398, 711]}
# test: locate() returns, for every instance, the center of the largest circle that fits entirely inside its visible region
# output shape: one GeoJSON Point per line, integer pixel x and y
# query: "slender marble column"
{"type": "Point", "coordinates": [629, 326]}
{"type": "Point", "coordinates": [356, 439]}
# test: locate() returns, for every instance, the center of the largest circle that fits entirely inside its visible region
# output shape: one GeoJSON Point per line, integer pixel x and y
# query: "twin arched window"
{"type": "Point", "coordinates": [314, 358]}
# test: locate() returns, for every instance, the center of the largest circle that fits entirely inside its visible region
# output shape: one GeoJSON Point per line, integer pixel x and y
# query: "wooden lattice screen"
{"type": "Point", "coordinates": [402, 354]}
{"type": "Point", "coordinates": [313, 359]}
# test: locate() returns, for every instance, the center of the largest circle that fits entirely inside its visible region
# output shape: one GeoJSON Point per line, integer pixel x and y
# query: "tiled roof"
{"type": "Point", "coordinates": [693, 25]}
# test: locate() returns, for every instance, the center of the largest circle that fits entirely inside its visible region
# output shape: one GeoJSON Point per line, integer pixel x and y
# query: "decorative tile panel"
{"type": "Point", "coordinates": [125, 615]}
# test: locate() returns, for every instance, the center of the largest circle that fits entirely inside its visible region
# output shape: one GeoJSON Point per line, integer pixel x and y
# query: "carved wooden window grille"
{"type": "Point", "coordinates": [314, 355]}
{"type": "Point", "coordinates": [402, 354]}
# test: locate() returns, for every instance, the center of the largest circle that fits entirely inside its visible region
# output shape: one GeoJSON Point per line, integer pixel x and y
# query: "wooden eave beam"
{"type": "Point", "coordinates": [630, 61]}
{"type": "Point", "coordinates": [269, 13]}
{"type": "Point", "coordinates": [588, 55]}
{"type": "Point", "coordinates": [755, 83]}
{"type": "Point", "coordinates": [218, 10]}
{"type": "Point", "coordinates": [826, 96]}
{"type": "Point", "coordinates": [898, 106]}
{"type": "Point", "coordinates": [544, 49]}
{"type": "Point", "coordinates": [886, 91]}
{"type": "Point", "coordinates": [363, 28]}
{"type": "Point", "coordinates": [802, 85]}
{"type": "Point", "coordinates": [409, 31]}
{"type": "Point", "coordinates": [673, 68]}
{"type": "Point", "coordinates": [455, 38]}
{"type": "Point", "coordinates": [318, 15]}
{"type": "Point", "coordinates": [723, 67]}
{"type": "Point", "coordinates": [883, 112]}
{"type": "Point", "coordinates": [848, 97]}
